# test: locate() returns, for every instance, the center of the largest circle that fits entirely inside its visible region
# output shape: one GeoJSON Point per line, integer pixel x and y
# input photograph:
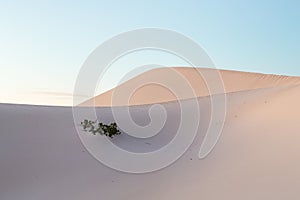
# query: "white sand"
{"type": "Point", "coordinates": [257, 156]}
{"type": "Point", "coordinates": [150, 93]}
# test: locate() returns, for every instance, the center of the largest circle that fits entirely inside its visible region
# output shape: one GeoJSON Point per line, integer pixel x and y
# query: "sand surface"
{"type": "Point", "coordinates": [257, 156]}
{"type": "Point", "coordinates": [154, 86]}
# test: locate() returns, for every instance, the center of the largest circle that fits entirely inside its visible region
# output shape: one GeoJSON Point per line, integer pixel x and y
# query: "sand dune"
{"type": "Point", "coordinates": [257, 156]}
{"type": "Point", "coordinates": [148, 92]}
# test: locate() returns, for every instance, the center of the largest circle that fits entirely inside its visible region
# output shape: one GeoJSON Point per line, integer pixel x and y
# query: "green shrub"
{"type": "Point", "coordinates": [95, 127]}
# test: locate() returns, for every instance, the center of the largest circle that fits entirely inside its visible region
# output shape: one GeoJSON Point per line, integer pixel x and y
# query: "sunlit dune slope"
{"type": "Point", "coordinates": [168, 84]}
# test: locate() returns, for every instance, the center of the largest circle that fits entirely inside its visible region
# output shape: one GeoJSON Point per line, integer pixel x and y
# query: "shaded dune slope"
{"type": "Point", "coordinates": [257, 156]}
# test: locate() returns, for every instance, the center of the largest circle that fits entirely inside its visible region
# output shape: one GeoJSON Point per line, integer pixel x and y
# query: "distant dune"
{"type": "Point", "coordinates": [150, 93]}
{"type": "Point", "coordinates": [257, 156]}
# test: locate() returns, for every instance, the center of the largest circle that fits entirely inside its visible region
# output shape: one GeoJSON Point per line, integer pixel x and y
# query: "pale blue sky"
{"type": "Point", "coordinates": [44, 43]}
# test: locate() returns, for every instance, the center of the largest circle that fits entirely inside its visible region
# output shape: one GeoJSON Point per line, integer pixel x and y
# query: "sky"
{"type": "Point", "coordinates": [45, 43]}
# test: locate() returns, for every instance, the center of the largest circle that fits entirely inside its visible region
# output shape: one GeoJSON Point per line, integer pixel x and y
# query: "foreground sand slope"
{"type": "Point", "coordinates": [257, 156]}
{"type": "Point", "coordinates": [146, 88]}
